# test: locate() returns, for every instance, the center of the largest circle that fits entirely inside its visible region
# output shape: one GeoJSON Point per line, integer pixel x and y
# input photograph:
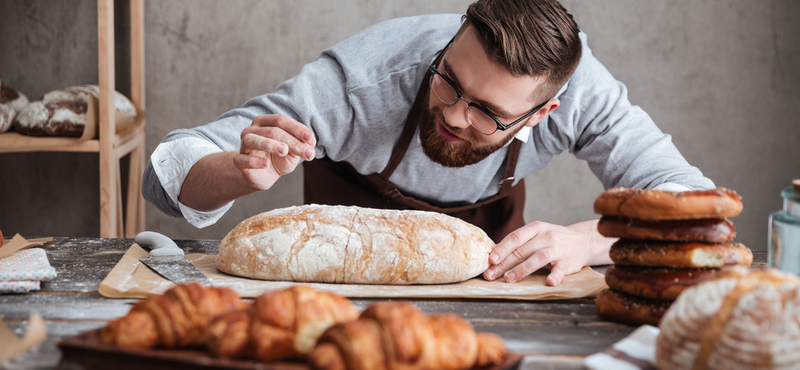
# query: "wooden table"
{"type": "Point", "coordinates": [552, 334]}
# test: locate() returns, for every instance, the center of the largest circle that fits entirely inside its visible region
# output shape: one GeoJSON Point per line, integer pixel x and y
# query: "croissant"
{"type": "Point", "coordinates": [178, 318]}
{"type": "Point", "coordinates": [283, 324]}
{"type": "Point", "coordinates": [399, 336]}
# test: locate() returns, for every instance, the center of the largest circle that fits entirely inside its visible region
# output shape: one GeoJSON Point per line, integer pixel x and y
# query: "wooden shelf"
{"type": "Point", "coordinates": [110, 145]}
{"type": "Point", "coordinates": [14, 142]}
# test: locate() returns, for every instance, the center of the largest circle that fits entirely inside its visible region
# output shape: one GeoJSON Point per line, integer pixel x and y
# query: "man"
{"type": "Point", "coordinates": [435, 113]}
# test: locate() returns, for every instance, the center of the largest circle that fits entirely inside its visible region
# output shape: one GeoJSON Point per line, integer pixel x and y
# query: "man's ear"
{"type": "Point", "coordinates": [543, 112]}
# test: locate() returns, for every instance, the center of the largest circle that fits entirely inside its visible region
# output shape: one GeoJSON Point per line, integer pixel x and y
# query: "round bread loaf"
{"type": "Point", "coordinates": [11, 102]}
{"type": "Point", "coordinates": [742, 319]}
{"type": "Point", "coordinates": [632, 252]}
{"type": "Point", "coordinates": [623, 308]}
{"type": "Point", "coordinates": [666, 205]}
{"type": "Point", "coordinates": [713, 230]}
{"type": "Point", "coordinates": [655, 283]}
{"type": "Point", "coordinates": [64, 112]}
{"type": "Point", "coordinates": [339, 244]}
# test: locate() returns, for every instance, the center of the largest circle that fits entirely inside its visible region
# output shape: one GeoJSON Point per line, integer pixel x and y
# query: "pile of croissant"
{"type": "Point", "coordinates": [300, 323]}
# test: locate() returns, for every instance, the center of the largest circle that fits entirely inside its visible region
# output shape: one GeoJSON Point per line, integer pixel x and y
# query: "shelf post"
{"type": "Point", "coordinates": [109, 207]}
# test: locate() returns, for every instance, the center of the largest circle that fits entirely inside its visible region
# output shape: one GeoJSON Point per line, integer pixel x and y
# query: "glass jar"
{"type": "Point", "coordinates": [784, 232]}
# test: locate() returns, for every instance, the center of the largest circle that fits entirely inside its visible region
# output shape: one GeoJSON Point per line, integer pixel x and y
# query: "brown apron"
{"type": "Point", "coordinates": [338, 183]}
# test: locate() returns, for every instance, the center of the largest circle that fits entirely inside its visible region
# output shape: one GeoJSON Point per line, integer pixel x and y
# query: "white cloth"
{"type": "Point", "coordinates": [637, 351]}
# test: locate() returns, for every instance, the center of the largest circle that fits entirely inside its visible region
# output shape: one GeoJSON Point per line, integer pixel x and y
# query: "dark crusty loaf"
{"type": "Point", "coordinates": [631, 252]}
{"type": "Point", "coordinates": [703, 230]}
{"type": "Point", "coordinates": [11, 102]}
{"type": "Point", "coordinates": [341, 244]}
{"type": "Point", "coordinates": [65, 112]}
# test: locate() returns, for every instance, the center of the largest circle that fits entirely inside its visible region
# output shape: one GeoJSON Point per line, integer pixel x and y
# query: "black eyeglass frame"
{"type": "Point", "coordinates": [500, 125]}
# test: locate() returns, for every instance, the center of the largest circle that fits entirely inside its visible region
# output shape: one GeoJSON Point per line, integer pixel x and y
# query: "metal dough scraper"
{"type": "Point", "coordinates": [168, 260]}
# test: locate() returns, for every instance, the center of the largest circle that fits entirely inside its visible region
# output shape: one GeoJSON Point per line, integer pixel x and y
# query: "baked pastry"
{"type": "Point", "coordinates": [283, 324]}
{"type": "Point", "coordinates": [712, 230]}
{"type": "Point", "coordinates": [178, 318]}
{"type": "Point", "coordinates": [339, 244]}
{"type": "Point", "coordinates": [627, 309]}
{"type": "Point", "coordinates": [666, 205]}
{"type": "Point", "coordinates": [65, 112]}
{"type": "Point", "coordinates": [653, 282]}
{"type": "Point", "coordinates": [631, 252]}
{"type": "Point", "coordinates": [742, 319]}
{"type": "Point", "coordinates": [399, 336]}
{"type": "Point", "coordinates": [11, 102]}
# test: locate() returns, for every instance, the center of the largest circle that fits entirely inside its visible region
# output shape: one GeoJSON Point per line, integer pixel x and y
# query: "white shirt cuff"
{"type": "Point", "coordinates": [171, 162]}
{"type": "Point", "coordinates": [671, 186]}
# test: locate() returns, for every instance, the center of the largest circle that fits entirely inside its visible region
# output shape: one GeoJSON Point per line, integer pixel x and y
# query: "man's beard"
{"type": "Point", "coordinates": [452, 154]}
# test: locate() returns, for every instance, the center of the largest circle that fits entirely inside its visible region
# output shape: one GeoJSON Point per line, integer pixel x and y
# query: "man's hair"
{"type": "Point", "coordinates": [530, 37]}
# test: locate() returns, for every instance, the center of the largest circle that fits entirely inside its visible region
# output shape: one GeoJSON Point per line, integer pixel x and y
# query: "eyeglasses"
{"type": "Point", "coordinates": [480, 118]}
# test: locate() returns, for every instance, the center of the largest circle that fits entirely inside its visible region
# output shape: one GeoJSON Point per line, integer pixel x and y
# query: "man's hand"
{"type": "Point", "coordinates": [271, 147]}
{"type": "Point", "coordinates": [564, 249]}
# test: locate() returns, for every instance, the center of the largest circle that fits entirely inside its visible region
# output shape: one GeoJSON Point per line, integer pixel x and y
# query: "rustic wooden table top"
{"type": "Point", "coordinates": [552, 334]}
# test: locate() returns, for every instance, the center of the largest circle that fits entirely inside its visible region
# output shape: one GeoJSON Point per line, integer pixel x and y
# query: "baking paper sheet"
{"type": "Point", "coordinates": [132, 279]}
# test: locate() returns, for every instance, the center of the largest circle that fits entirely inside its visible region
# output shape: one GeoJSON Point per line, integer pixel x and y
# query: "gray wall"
{"type": "Point", "coordinates": [720, 76]}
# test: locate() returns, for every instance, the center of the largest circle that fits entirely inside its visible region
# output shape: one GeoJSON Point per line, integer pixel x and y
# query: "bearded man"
{"type": "Point", "coordinates": [443, 113]}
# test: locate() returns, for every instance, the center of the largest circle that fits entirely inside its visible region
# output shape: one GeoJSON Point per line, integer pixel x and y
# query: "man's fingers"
{"type": "Point", "coordinates": [249, 162]}
{"type": "Point", "coordinates": [513, 241]}
{"type": "Point", "coordinates": [536, 261]}
{"type": "Point", "coordinates": [557, 274]}
{"type": "Point", "coordinates": [298, 130]}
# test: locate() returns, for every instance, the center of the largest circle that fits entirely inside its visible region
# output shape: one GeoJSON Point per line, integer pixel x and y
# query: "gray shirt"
{"type": "Point", "coordinates": [355, 98]}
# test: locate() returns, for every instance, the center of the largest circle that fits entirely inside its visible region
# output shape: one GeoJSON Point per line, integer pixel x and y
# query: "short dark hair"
{"type": "Point", "coordinates": [530, 37]}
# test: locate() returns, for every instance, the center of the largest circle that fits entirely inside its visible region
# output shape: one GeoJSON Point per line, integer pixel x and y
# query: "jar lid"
{"type": "Point", "coordinates": [796, 185]}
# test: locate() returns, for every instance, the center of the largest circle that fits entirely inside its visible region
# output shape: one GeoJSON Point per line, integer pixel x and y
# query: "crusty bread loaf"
{"type": "Point", "coordinates": [627, 309]}
{"type": "Point", "coordinates": [742, 319]}
{"type": "Point", "coordinates": [714, 230]}
{"type": "Point", "coordinates": [666, 205]}
{"type": "Point", "coordinates": [631, 252]}
{"type": "Point", "coordinates": [11, 102]}
{"type": "Point", "coordinates": [65, 112]}
{"type": "Point", "coordinates": [339, 244]}
{"type": "Point", "coordinates": [653, 282]}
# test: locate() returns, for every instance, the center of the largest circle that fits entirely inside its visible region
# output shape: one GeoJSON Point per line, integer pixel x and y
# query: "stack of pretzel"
{"type": "Point", "coordinates": [668, 241]}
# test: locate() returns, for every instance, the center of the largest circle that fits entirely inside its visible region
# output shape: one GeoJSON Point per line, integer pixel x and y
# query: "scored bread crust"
{"type": "Point", "coordinates": [667, 205]}
{"type": "Point", "coordinates": [705, 230]}
{"type": "Point", "coordinates": [631, 252]}
{"type": "Point", "coordinates": [655, 283]}
{"type": "Point", "coordinates": [347, 244]}
{"type": "Point", "coordinates": [742, 319]}
{"type": "Point", "coordinates": [623, 308]}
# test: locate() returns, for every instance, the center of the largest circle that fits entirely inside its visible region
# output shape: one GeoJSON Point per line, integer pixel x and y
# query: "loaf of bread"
{"type": "Point", "coordinates": [11, 102]}
{"type": "Point", "coordinates": [742, 319]}
{"type": "Point", "coordinates": [65, 112]}
{"type": "Point", "coordinates": [712, 230]}
{"type": "Point", "coordinates": [627, 309]}
{"type": "Point", "coordinates": [654, 282]}
{"type": "Point", "coordinates": [630, 252]}
{"type": "Point", "coordinates": [399, 336]}
{"type": "Point", "coordinates": [666, 205]}
{"type": "Point", "coordinates": [339, 244]}
{"type": "Point", "coordinates": [283, 324]}
{"type": "Point", "coordinates": [177, 318]}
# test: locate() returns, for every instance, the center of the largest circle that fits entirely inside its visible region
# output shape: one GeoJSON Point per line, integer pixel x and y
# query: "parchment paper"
{"type": "Point", "coordinates": [19, 243]}
{"type": "Point", "coordinates": [13, 345]}
{"type": "Point", "coordinates": [132, 279]}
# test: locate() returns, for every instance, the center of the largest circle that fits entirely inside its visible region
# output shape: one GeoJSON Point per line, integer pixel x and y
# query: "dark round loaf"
{"type": "Point", "coordinates": [666, 205]}
{"type": "Point", "coordinates": [622, 308]}
{"type": "Point", "coordinates": [11, 102]}
{"type": "Point", "coordinates": [655, 283]}
{"type": "Point", "coordinates": [632, 252]}
{"type": "Point", "coordinates": [705, 230]}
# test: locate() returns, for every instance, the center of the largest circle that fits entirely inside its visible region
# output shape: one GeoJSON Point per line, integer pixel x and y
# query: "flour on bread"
{"type": "Point", "coordinates": [340, 244]}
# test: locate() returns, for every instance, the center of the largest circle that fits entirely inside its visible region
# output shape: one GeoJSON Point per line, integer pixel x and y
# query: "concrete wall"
{"type": "Point", "coordinates": [720, 76]}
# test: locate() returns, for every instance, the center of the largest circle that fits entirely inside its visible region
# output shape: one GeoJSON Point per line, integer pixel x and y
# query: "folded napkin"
{"type": "Point", "coordinates": [24, 269]}
{"type": "Point", "coordinates": [637, 351]}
